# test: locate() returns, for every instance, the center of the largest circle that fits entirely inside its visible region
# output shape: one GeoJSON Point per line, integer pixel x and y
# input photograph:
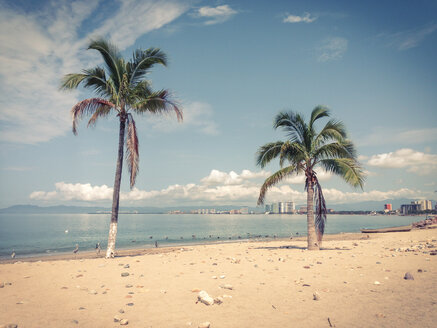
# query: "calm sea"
{"type": "Point", "coordinates": [43, 234]}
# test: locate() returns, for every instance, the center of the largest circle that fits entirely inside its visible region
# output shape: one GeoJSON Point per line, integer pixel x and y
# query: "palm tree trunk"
{"type": "Point", "coordinates": [311, 227]}
{"type": "Point", "coordinates": [116, 195]}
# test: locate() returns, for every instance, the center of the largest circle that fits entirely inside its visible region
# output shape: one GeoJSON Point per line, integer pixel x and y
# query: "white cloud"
{"type": "Point", "coordinates": [218, 188]}
{"type": "Point", "coordinates": [215, 15]}
{"type": "Point", "coordinates": [332, 49]}
{"type": "Point", "coordinates": [198, 116]}
{"type": "Point", "coordinates": [405, 40]}
{"type": "Point", "coordinates": [77, 191]}
{"type": "Point", "coordinates": [38, 48]}
{"type": "Point", "coordinates": [222, 178]}
{"type": "Point", "coordinates": [306, 18]}
{"type": "Point", "coordinates": [414, 161]}
{"type": "Point", "coordinates": [135, 18]}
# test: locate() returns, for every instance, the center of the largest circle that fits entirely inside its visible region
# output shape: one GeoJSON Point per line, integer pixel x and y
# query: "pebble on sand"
{"type": "Point", "coordinates": [205, 325]}
{"type": "Point", "coordinates": [124, 274]}
{"type": "Point", "coordinates": [408, 276]}
{"type": "Point", "coordinates": [124, 322]}
{"type": "Point", "coordinates": [227, 286]}
{"type": "Point", "coordinates": [316, 296]}
{"type": "Point", "coordinates": [205, 298]}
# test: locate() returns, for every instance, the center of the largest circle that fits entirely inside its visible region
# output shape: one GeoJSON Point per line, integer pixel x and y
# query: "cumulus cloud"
{"type": "Point", "coordinates": [198, 116]}
{"type": "Point", "coordinates": [408, 39]}
{"type": "Point", "coordinates": [77, 191]}
{"type": "Point", "coordinates": [215, 15]}
{"type": "Point", "coordinates": [39, 47]}
{"type": "Point", "coordinates": [135, 18]}
{"type": "Point", "coordinates": [217, 177]}
{"type": "Point", "coordinates": [332, 49]}
{"type": "Point", "coordinates": [218, 188]}
{"type": "Point", "coordinates": [414, 161]}
{"type": "Point", "coordinates": [305, 18]}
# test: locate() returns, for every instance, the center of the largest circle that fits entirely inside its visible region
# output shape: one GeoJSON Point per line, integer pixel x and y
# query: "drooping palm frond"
{"type": "Point", "coordinates": [89, 107]}
{"type": "Point", "coordinates": [321, 211]}
{"type": "Point", "coordinates": [98, 113]}
{"type": "Point", "coordinates": [268, 152]}
{"type": "Point", "coordinates": [333, 130]}
{"type": "Point", "coordinates": [346, 168]}
{"type": "Point", "coordinates": [132, 153]}
{"type": "Point", "coordinates": [274, 179]}
{"type": "Point", "coordinates": [157, 102]}
{"type": "Point", "coordinates": [112, 58]}
{"type": "Point", "coordinates": [142, 61]}
{"type": "Point", "coordinates": [317, 113]}
{"type": "Point", "coordinates": [293, 124]}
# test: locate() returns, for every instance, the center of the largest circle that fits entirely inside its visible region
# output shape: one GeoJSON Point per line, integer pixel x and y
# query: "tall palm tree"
{"type": "Point", "coordinates": [122, 89]}
{"type": "Point", "coordinates": [302, 152]}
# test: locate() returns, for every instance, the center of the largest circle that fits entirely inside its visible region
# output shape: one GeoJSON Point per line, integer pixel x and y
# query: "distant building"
{"type": "Point", "coordinates": [424, 204]}
{"type": "Point", "coordinates": [388, 208]}
{"type": "Point", "coordinates": [410, 208]}
{"type": "Point", "coordinates": [275, 208]}
{"type": "Point", "coordinates": [268, 208]}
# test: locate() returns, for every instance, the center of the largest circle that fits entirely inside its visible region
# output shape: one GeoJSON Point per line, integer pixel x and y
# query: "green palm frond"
{"type": "Point", "coordinates": [291, 123]}
{"type": "Point", "coordinates": [142, 62]}
{"type": "Point", "coordinates": [346, 168]}
{"type": "Point", "coordinates": [132, 153]}
{"type": "Point", "coordinates": [96, 80]}
{"type": "Point", "coordinates": [268, 152]}
{"type": "Point", "coordinates": [317, 113]}
{"type": "Point", "coordinates": [112, 58]}
{"type": "Point", "coordinates": [72, 81]}
{"type": "Point", "coordinates": [343, 149]}
{"type": "Point", "coordinates": [157, 102]}
{"type": "Point", "coordinates": [274, 179]}
{"type": "Point", "coordinates": [88, 106]}
{"type": "Point", "coordinates": [293, 152]}
{"type": "Point", "coordinates": [333, 130]}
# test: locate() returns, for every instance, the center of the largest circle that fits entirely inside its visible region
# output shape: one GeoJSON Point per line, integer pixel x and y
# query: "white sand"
{"type": "Point", "coordinates": [267, 291]}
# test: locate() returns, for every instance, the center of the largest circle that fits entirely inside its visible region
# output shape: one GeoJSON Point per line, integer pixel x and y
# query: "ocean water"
{"type": "Point", "coordinates": [44, 234]}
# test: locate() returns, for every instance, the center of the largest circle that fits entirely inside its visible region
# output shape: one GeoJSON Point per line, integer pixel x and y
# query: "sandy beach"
{"type": "Point", "coordinates": [354, 281]}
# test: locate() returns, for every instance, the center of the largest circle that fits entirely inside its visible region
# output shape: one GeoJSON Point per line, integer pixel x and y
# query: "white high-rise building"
{"type": "Point", "coordinates": [290, 207]}
{"type": "Point", "coordinates": [424, 204]}
{"type": "Point", "coordinates": [286, 207]}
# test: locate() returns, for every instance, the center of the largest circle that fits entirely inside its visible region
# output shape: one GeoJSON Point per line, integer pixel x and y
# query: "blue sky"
{"type": "Point", "coordinates": [233, 65]}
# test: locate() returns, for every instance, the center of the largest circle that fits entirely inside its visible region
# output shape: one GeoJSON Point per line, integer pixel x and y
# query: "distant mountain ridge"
{"type": "Point", "coordinates": [59, 209]}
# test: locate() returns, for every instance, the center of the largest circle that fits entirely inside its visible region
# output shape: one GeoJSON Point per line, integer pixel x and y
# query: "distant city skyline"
{"type": "Point", "coordinates": [233, 65]}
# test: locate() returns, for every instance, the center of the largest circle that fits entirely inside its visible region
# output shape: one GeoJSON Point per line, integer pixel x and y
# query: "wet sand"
{"type": "Point", "coordinates": [353, 282]}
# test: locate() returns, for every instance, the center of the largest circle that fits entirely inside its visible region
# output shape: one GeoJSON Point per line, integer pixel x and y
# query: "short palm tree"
{"type": "Point", "coordinates": [302, 152]}
{"type": "Point", "coordinates": [122, 89]}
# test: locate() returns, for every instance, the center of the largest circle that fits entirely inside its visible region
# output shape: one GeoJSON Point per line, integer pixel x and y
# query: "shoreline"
{"type": "Point", "coordinates": [138, 251]}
